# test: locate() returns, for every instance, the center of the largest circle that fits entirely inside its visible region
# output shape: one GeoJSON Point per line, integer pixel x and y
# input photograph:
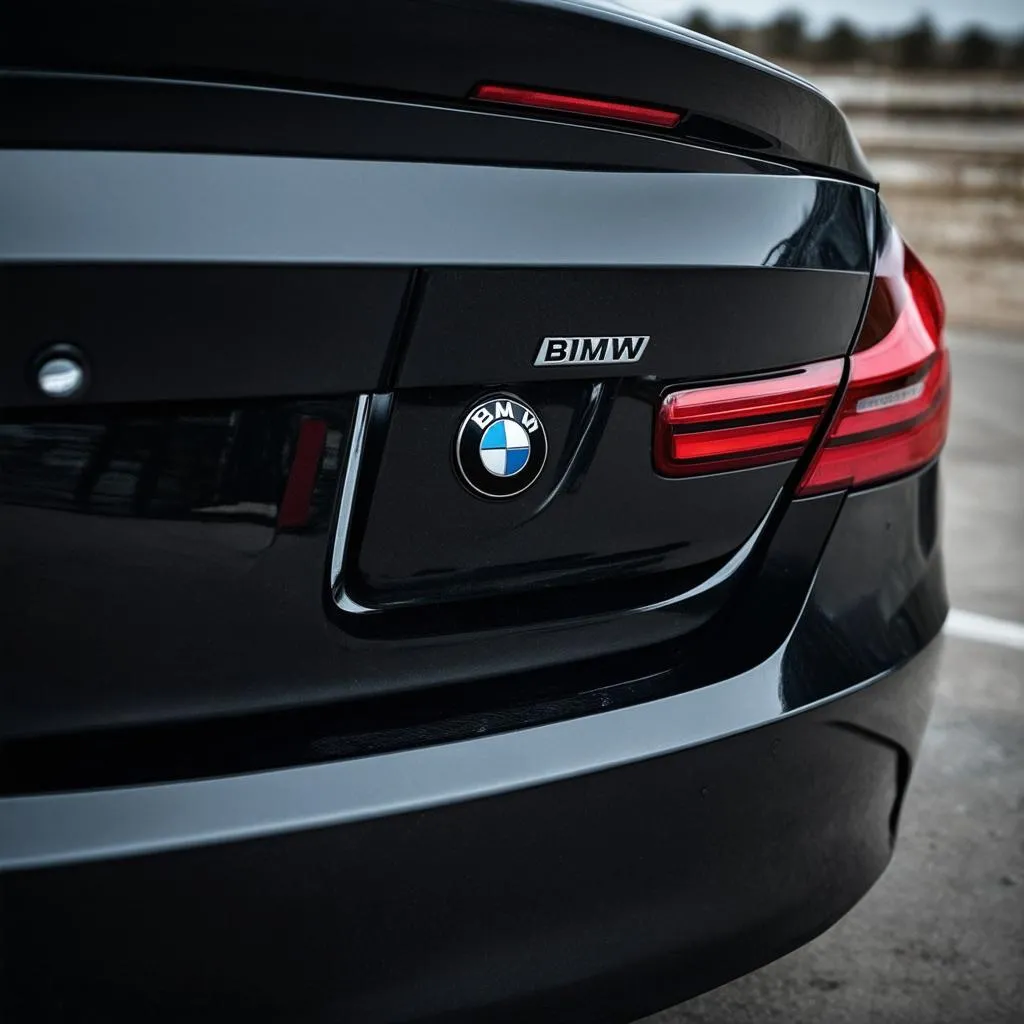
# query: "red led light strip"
{"type": "Point", "coordinates": [750, 423]}
{"type": "Point", "coordinates": [892, 418]}
{"type": "Point", "coordinates": [537, 98]}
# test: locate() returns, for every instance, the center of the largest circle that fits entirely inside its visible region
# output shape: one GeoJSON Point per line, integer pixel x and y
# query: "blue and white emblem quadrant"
{"type": "Point", "coordinates": [504, 448]}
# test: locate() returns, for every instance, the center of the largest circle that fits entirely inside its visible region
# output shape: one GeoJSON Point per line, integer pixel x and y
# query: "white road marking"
{"type": "Point", "coordinates": [985, 628]}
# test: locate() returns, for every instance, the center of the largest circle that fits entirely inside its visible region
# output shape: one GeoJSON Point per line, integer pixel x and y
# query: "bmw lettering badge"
{"type": "Point", "coordinates": [501, 447]}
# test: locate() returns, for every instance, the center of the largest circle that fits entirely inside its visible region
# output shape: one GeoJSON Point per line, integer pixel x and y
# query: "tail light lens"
{"type": "Point", "coordinates": [750, 423]}
{"type": "Point", "coordinates": [892, 418]}
{"type": "Point", "coordinates": [895, 412]}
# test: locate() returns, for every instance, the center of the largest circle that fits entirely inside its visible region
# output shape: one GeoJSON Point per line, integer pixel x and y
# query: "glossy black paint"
{"type": "Point", "coordinates": [867, 615]}
{"type": "Point", "coordinates": [224, 465]}
{"type": "Point", "coordinates": [260, 329]}
{"type": "Point", "coordinates": [187, 332]}
{"type": "Point", "coordinates": [94, 112]}
{"type": "Point", "coordinates": [485, 326]}
{"type": "Point", "coordinates": [596, 515]}
{"type": "Point", "coordinates": [544, 760]}
{"type": "Point", "coordinates": [591, 899]}
{"type": "Point", "coordinates": [174, 515]}
{"type": "Point", "coordinates": [248, 734]}
{"type": "Point", "coordinates": [164, 208]}
{"type": "Point", "coordinates": [440, 49]}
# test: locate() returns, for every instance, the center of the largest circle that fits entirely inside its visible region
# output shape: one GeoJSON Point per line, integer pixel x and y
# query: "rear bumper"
{"type": "Point", "coordinates": [590, 869]}
{"type": "Point", "coordinates": [598, 896]}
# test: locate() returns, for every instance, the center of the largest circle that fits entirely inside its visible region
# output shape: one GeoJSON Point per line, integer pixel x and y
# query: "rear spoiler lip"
{"type": "Point", "coordinates": [441, 49]}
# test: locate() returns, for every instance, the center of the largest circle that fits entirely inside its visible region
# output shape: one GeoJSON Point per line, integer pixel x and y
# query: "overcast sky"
{"type": "Point", "coordinates": [948, 14]}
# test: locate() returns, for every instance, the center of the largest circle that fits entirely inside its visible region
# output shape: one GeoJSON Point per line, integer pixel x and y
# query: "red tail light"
{"type": "Point", "coordinates": [895, 413]}
{"type": "Point", "coordinates": [569, 104]}
{"type": "Point", "coordinates": [751, 423]}
{"type": "Point", "coordinates": [892, 418]}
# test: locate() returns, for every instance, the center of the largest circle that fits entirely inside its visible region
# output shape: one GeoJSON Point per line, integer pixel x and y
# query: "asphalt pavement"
{"type": "Point", "coordinates": [940, 938]}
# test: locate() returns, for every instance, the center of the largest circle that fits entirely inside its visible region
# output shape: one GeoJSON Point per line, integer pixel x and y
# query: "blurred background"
{"type": "Point", "coordinates": [935, 94]}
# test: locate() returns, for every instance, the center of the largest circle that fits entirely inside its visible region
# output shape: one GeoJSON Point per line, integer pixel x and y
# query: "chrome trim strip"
{"type": "Point", "coordinates": [589, 419]}
{"type": "Point", "coordinates": [357, 444]}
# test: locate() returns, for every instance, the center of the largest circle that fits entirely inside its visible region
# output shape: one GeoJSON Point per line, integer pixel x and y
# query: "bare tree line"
{"type": "Point", "coordinates": [918, 47]}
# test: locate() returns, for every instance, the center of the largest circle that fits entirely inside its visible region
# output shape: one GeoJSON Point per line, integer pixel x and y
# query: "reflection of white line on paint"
{"type": "Point", "coordinates": [985, 628]}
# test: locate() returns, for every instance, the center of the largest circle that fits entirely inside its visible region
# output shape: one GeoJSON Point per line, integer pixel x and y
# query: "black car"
{"type": "Point", "coordinates": [469, 507]}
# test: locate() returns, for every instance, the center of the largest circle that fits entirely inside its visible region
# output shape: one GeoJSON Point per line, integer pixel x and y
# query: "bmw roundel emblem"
{"type": "Point", "coordinates": [501, 447]}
